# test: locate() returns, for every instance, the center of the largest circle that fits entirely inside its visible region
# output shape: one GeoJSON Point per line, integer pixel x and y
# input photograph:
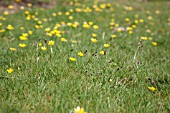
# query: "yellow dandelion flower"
{"type": "Point", "coordinates": [102, 52]}
{"type": "Point", "coordinates": [6, 13]}
{"type": "Point", "coordinates": [47, 29]}
{"type": "Point", "coordinates": [23, 38]}
{"type": "Point", "coordinates": [51, 43]}
{"type": "Point", "coordinates": [91, 23]}
{"type": "Point", "coordinates": [127, 19]}
{"type": "Point", "coordinates": [21, 28]}
{"type": "Point", "coordinates": [74, 41]}
{"type": "Point", "coordinates": [150, 38]}
{"type": "Point", "coordinates": [130, 32]}
{"type": "Point", "coordinates": [12, 49]}
{"type": "Point", "coordinates": [30, 32]}
{"type": "Point", "coordinates": [96, 27]}
{"type": "Point", "coordinates": [136, 21]}
{"type": "Point", "coordinates": [10, 70]}
{"type": "Point", "coordinates": [54, 14]}
{"type": "Point", "coordinates": [72, 59]}
{"type": "Point", "coordinates": [154, 43]}
{"type": "Point", "coordinates": [79, 110]}
{"type": "Point", "coordinates": [119, 30]}
{"type": "Point", "coordinates": [80, 54]}
{"type": "Point", "coordinates": [2, 30]}
{"type": "Point", "coordinates": [151, 88]}
{"type": "Point", "coordinates": [29, 5]}
{"type": "Point", "coordinates": [129, 29]}
{"type": "Point", "coordinates": [22, 7]}
{"type": "Point", "coordinates": [134, 26]}
{"type": "Point", "coordinates": [157, 12]}
{"type": "Point", "coordinates": [149, 17]}
{"type": "Point", "coordinates": [43, 48]}
{"type": "Point", "coordinates": [141, 20]}
{"type": "Point", "coordinates": [93, 40]}
{"type": "Point", "coordinates": [106, 45]}
{"type": "Point", "coordinates": [63, 39]}
{"type": "Point", "coordinates": [85, 25]}
{"type": "Point", "coordinates": [22, 45]}
{"type": "Point", "coordinates": [10, 7]}
{"type": "Point", "coordinates": [114, 36]}
{"type": "Point", "coordinates": [40, 44]}
{"type": "Point", "coordinates": [94, 35]}
{"type": "Point", "coordinates": [143, 38]}
{"type": "Point", "coordinates": [60, 13]}
{"type": "Point", "coordinates": [18, 1]}
{"type": "Point", "coordinates": [10, 27]}
{"type": "Point", "coordinates": [70, 17]}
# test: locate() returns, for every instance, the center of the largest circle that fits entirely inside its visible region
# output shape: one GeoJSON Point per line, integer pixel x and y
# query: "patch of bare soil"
{"type": "Point", "coordinates": [18, 6]}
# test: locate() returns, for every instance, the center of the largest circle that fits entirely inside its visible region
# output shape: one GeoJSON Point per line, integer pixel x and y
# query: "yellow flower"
{"type": "Point", "coordinates": [93, 40]}
{"type": "Point", "coordinates": [40, 44]}
{"type": "Point", "coordinates": [152, 88]}
{"type": "Point", "coordinates": [2, 30]}
{"type": "Point", "coordinates": [10, 7]}
{"type": "Point", "coordinates": [90, 23]}
{"type": "Point", "coordinates": [72, 59]}
{"type": "Point", "coordinates": [10, 70]}
{"type": "Point", "coordinates": [154, 43]}
{"type": "Point", "coordinates": [6, 13]}
{"type": "Point", "coordinates": [136, 21]}
{"type": "Point", "coordinates": [43, 48]}
{"type": "Point", "coordinates": [22, 7]}
{"type": "Point", "coordinates": [18, 1]}
{"type": "Point", "coordinates": [96, 27]}
{"type": "Point", "coordinates": [22, 45]}
{"type": "Point", "coordinates": [102, 52]}
{"type": "Point", "coordinates": [21, 28]}
{"type": "Point", "coordinates": [79, 110]}
{"type": "Point", "coordinates": [114, 36]}
{"type": "Point", "coordinates": [150, 38]}
{"type": "Point", "coordinates": [30, 32]}
{"type": "Point", "coordinates": [143, 38]}
{"type": "Point", "coordinates": [29, 5]}
{"type": "Point", "coordinates": [119, 30]}
{"type": "Point", "coordinates": [47, 29]}
{"type": "Point", "coordinates": [127, 19]}
{"type": "Point", "coordinates": [10, 27]}
{"type": "Point", "coordinates": [80, 54]}
{"type": "Point", "coordinates": [70, 17]}
{"type": "Point", "coordinates": [130, 32]}
{"type": "Point", "coordinates": [24, 34]}
{"type": "Point", "coordinates": [94, 35]}
{"type": "Point", "coordinates": [12, 49]}
{"type": "Point", "coordinates": [63, 40]}
{"type": "Point", "coordinates": [129, 28]}
{"type": "Point", "coordinates": [85, 25]}
{"type": "Point", "coordinates": [106, 45]}
{"type": "Point", "coordinates": [141, 20]}
{"type": "Point", "coordinates": [60, 13]}
{"type": "Point", "coordinates": [54, 14]}
{"type": "Point", "coordinates": [51, 43]}
{"type": "Point", "coordinates": [134, 26]}
{"type": "Point", "coordinates": [74, 41]}
{"type": "Point", "coordinates": [67, 13]}
{"type": "Point", "coordinates": [23, 38]}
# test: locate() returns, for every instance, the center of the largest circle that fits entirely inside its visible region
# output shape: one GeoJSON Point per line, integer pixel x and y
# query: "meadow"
{"type": "Point", "coordinates": [85, 56]}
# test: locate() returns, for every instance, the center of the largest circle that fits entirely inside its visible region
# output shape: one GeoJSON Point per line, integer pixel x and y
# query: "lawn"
{"type": "Point", "coordinates": [104, 56]}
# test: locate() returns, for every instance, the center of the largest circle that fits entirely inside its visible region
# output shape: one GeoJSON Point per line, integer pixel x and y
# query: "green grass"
{"type": "Point", "coordinates": [114, 82]}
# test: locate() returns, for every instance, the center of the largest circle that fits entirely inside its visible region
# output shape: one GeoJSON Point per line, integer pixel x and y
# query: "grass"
{"type": "Point", "coordinates": [45, 82]}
